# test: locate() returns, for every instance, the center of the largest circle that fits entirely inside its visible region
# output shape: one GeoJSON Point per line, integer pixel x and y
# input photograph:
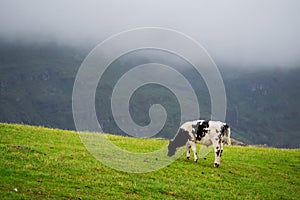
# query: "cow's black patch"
{"type": "Point", "coordinates": [218, 152]}
{"type": "Point", "coordinates": [201, 129]}
{"type": "Point", "coordinates": [224, 129]}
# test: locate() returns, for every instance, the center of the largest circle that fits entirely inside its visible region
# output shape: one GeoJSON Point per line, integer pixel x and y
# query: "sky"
{"type": "Point", "coordinates": [245, 33]}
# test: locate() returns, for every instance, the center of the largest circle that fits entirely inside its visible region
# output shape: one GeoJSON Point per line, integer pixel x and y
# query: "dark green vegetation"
{"type": "Point", "coordinates": [40, 163]}
{"type": "Point", "coordinates": [36, 83]}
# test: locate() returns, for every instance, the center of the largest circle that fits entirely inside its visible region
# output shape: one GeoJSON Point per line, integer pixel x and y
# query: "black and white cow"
{"type": "Point", "coordinates": [205, 132]}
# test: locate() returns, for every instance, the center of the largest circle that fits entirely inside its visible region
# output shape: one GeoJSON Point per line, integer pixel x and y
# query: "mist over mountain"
{"type": "Point", "coordinates": [246, 34]}
{"type": "Point", "coordinates": [36, 83]}
{"type": "Point", "coordinates": [254, 43]}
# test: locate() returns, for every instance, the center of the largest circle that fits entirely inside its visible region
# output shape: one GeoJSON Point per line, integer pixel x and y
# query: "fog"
{"type": "Point", "coordinates": [248, 33]}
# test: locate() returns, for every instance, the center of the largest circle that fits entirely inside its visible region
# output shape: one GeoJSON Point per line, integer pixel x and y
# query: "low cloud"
{"type": "Point", "coordinates": [250, 33]}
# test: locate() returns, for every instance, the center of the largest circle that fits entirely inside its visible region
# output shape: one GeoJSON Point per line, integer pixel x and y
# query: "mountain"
{"type": "Point", "coordinates": [36, 83]}
{"type": "Point", "coordinates": [264, 106]}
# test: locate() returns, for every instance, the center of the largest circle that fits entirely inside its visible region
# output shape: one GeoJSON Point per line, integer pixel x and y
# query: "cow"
{"type": "Point", "coordinates": [205, 132]}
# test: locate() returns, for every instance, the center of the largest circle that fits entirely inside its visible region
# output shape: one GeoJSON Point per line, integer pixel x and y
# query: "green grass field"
{"type": "Point", "coordinates": [40, 163]}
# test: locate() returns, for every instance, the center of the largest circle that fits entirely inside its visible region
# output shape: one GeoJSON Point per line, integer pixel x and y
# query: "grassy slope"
{"type": "Point", "coordinates": [54, 164]}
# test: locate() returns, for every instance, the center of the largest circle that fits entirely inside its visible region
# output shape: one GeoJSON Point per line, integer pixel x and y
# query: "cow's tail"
{"type": "Point", "coordinates": [228, 136]}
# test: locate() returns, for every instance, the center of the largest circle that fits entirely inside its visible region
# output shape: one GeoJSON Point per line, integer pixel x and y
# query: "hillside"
{"type": "Point", "coordinates": [36, 83]}
{"type": "Point", "coordinates": [42, 163]}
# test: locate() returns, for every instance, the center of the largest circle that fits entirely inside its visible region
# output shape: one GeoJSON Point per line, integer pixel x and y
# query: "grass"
{"type": "Point", "coordinates": [46, 163]}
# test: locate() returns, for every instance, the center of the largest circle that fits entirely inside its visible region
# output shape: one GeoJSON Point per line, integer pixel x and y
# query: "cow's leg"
{"type": "Point", "coordinates": [188, 147]}
{"type": "Point", "coordinates": [221, 145]}
{"type": "Point", "coordinates": [217, 149]}
{"type": "Point", "coordinates": [193, 145]}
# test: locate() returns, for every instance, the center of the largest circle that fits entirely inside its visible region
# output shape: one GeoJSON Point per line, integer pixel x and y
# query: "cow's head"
{"type": "Point", "coordinates": [180, 139]}
{"type": "Point", "coordinates": [172, 148]}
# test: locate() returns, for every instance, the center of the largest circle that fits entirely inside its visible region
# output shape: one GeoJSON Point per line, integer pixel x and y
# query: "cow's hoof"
{"type": "Point", "coordinates": [188, 158]}
{"type": "Point", "coordinates": [216, 165]}
{"type": "Point", "coordinates": [196, 160]}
